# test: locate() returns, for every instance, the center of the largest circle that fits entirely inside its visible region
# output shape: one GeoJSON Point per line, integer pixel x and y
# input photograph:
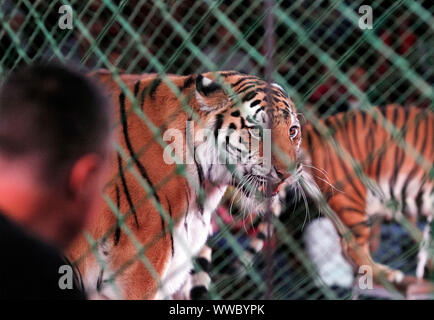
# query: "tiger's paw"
{"type": "Point", "coordinates": [382, 273]}
{"type": "Point", "coordinates": [397, 278]}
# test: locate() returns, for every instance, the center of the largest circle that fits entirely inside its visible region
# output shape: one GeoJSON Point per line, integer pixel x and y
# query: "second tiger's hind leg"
{"type": "Point", "coordinates": [358, 251]}
{"type": "Point", "coordinates": [357, 247]}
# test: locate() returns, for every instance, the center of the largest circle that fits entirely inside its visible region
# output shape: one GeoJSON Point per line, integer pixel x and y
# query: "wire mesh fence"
{"type": "Point", "coordinates": [329, 56]}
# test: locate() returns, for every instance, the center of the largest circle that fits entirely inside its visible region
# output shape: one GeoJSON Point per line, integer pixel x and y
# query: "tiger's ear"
{"type": "Point", "coordinates": [209, 94]}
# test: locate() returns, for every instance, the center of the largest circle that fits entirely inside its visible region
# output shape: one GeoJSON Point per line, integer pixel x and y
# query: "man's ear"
{"type": "Point", "coordinates": [209, 94]}
{"type": "Point", "coordinates": [84, 174]}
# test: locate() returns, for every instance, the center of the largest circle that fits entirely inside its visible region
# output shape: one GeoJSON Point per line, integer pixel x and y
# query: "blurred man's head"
{"type": "Point", "coordinates": [54, 146]}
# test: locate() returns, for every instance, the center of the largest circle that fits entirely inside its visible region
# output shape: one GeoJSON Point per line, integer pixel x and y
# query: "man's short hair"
{"type": "Point", "coordinates": [54, 111]}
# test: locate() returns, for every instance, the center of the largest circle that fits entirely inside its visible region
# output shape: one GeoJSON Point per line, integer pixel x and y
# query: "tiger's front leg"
{"type": "Point", "coordinates": [200, 279]}
{"type": "Point", "coordinates": [197, 285]}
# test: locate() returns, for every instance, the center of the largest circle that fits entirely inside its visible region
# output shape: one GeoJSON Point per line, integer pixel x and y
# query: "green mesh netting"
{"type": "Point", "coordinates": [319, 55]}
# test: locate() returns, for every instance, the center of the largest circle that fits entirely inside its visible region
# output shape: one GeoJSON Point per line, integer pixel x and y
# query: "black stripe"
{"type": "Point", "coordinates": [254, 103]}
{"type": "Point", "coordinates": [171, 216]}
{"type": "Point", "coordinates": [163, 226]}
{"type": "Point", "coordinates": [118, 228]}
{"type": "Point", "coordinates": [219, 123]}
{"type": "Point", "coordinates": [204, 264]}
{"type": "Point", "coordinates": [283, 93]}
{"type": "Point", "coordinates": [383, 111]}
{"type": "Point", "coordinates": [379, 163]}
{"type": "Point", "coordinates": [126, 191]}
{"type": "Point", "coordinates": [233, 148]}
{"type": "Point", "coordinates": [242, 80]}
{"type": "Point", "coordinates": [243, 123]}
{"type": "Point", "coordinates": [352, 209]}
{"type": "Point", "coordinates": [136, 88]}
{"type": "Point", "coordinates": [99, 281]}
{"type": "Point", "coordinates": [245, 86]}
{"type": "Point", "coordinates": [187, 196]}
{"type": "Point", "coordinates": [258, 110]}
{"type": "Point", "coordinates": [370, 144]}
{"type": "Point", "coordinates": [142, 98]}
{"type": "Point", "coordinates": [200, 198]}
{"type": "Point", "coordinates": [229, 74]}
{"type": "Point", "coordinates": [419, 200]}
{"type": "Point", "coordinates": [239, 92]}
{"type": "Point", "coordinates": [210, 169]}
{"type": "Point", "coordinates": [249, 96]}
{"type": "Point", "coordinates": [363, 115]}
{"type": "Point", "coordinates": [331, 129]}
{"type": "Point", "coordinates": [154, 86]}
{"type": "Point", "coordinates": [187, 83]}
{"type": "Point", "coordinates": [275, 100]}
{"type": "Point", "coordinates": [139, 165]}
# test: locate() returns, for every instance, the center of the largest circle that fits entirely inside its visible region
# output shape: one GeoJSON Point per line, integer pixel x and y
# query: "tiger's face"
{"type": "Point", "coordinates": [256, 135]}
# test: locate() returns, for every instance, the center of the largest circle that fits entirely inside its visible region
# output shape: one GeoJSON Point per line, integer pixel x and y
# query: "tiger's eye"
{"type": "Point", "coordinates": [293, 132]}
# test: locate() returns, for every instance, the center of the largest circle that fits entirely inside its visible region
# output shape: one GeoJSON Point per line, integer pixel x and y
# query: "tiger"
{"type": "Point", "coordinates": [387, 173]}
{"type": "Point", "coordinates": [158, 213]}
{"type": "Point", "coordinates": [367, 166]}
